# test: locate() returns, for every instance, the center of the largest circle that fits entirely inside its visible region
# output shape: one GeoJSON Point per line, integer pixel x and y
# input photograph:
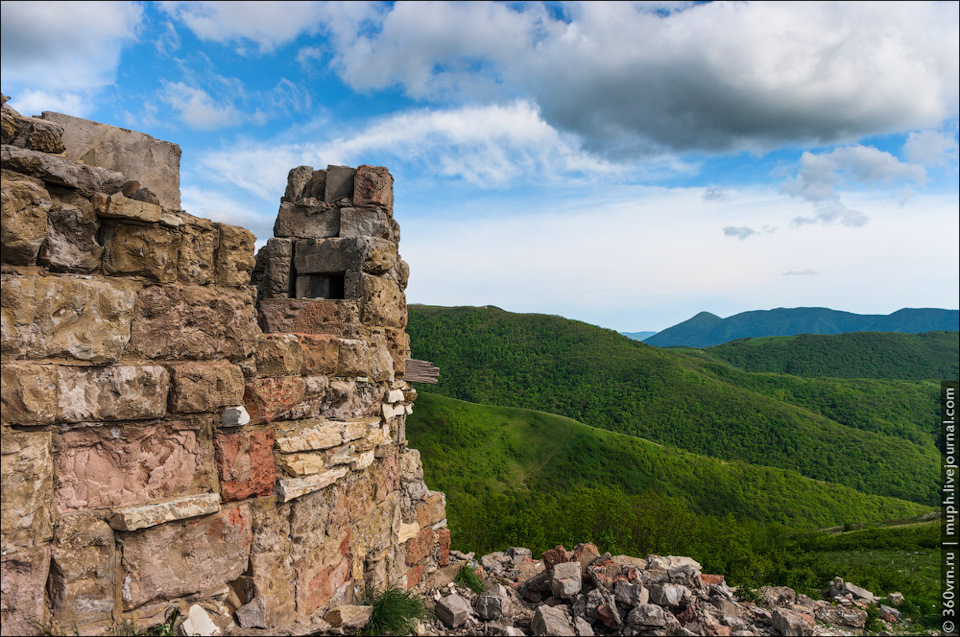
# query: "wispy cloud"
{"type": "Point", "coordinates": [740, 232]}
{"type": "Point", "coordinates": [801, 273]}
{"type": "Point", "coordinates": [486, 146]}
{"type": "Point", "coordinates": [821, 175]}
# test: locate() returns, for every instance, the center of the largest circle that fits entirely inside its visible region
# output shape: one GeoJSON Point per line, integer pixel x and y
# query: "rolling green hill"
{"type": "Point", "coordinates": [470, 448]}
{"type": "Point", "coordinates": [518, 477]}
{"type": "Point", "coordinates": [707, 407]}
{"type": "Point", "coordinates": [888, 355]}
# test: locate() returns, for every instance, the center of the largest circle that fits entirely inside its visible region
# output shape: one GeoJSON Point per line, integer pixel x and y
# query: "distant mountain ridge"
{"type": "Point", "coordinates": [638, 336]}
{"type": "Point", "coordinates": [706, 329]}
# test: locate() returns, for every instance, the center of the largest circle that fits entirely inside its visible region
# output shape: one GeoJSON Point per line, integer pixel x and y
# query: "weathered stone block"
{"type": "Point", "coordinates": [321, 353]}
{"type": "Point", "coordinates": [150, 251]}
{"type": "Point", "coordinates": [319, 256]}
{"type": "Point", "coordinates": [418, 548]}
{"type": "Point", "coordinates": [297, 180]}
{"type": "Point", "coordinates": [279, 355]}
{"type": "Point", "coordinates": [60, 171]}
{"type": "Point", "coordinates": [98, 468]}
{"type": "Point", "coordinates": [292, 488]}
{"type": "Point", "coordinates": [379, 255]}
{"type": "Point", "coordinates": [83, 562]}
{"type": "Point", "coordinates": [373, 185]}
{"type": "Point", "coordinates": [23, 217]}
{"type": "Point", "coordinates": [235, 257]}
{"type": "Point", "coordinates": [400, 273]}
{"type": "Point", "coordinates": [268, 399]}
{"type": "Point", "coordinates": [198, 248]}
{"type": "Point", "coordinates": [30, 394]}
{"type": "Point", "coordinates": [306, 464]}
{"type": "Point", "coordinates": [26, 478]}
{"type": "Point", "coordinates": [351, 618]}
{"type": "Point", "coordinates": [147, 515]}
{"type": "Point", "coordinates": [322, 572]}
{"type": "Point", "coordinates": [152, 162]}
{"type": "Point", "coordinates": [443, 540]}
{"type": "Point", "coordinates": [122, 392]}
{"type": "Point", "coordinates": [339, 183]}
{"type": "Point", "coordinates": [23, 578]}
{"type": "Point", "coordinates": [351, 400]}
{"type": "Point", "coordinates": [272, 270]}
{"type": "Point", "coordinates": [432, 509]}
{"type": "Point", "coordinates": [71, 242]}
{"type": "Point", "coordinates": [368, 222]}
{"type": "Point", "coordinates": [179, 558]}
{"type": "Point", "coordinates": [354, 358]}
{"type": "Point", "coordinates": [61, 316]}
{"type": "Point", "coordinates": [310, 316]}
{"type": "Point", "coordinates": [193, 322]}
{"type": "Point", "coordinates": [245, 462]}
{"type": "Point", "coordinates": [382, 302]}
{"type": "Point", "coordinates": [551, 620]}
{"type": "Point", "coordinates": [118, 206]}
{"type": "Point", "coordinates": [308, 435]}
{"type": "Point", "coordinates": [307, 221]}
{"type": "Point", "coordinates": [271, 561]}
{"type": "Point", "coordinates": [453, 610]}
{"type": "Point", "coordinates": [198, 387]}
{"type": "Point", "coordinates": [30, 132]}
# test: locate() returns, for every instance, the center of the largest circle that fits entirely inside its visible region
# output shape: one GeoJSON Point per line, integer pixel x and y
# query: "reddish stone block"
{"type": "Point", "coordinates": [245, 463]}
{"type": "Point", "coordinates": [373, 185]}
{"type": "Point", "coordinates": [97, 469]}
{"type": "Point", "coordinates": [179, 558]}
{"type": "Point", "coordinates": [443, 539]}
{"type": "Point", "coordinates": [414, 575]}
{"type": "Point", "coordinates": [320, 353]}
{"type": "Point", "coordinates": [711, 579]}
{"type": "Point", "coordinates": [432, 509]}
{"type": "Point", "coordinates": [322, 572]}
{"type": "Point", "coordinates": [418, 548]}
{"type": "Point", "coordinates": [268, 398]}
{"type": "Point", "coordinates": [556, 555]}
{"type": "Point", "coordinates": [23, 576]}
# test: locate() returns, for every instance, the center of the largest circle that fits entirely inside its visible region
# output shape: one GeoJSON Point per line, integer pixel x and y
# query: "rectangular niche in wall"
{"type": "Point", "coordinates": [320, 286]}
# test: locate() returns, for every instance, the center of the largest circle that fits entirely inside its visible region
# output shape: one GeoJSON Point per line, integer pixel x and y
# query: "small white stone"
{"type": "Point", "coordinates": [234, 416]}
{"type": "Point", "coordinates": [395, 396]}
{"type": "Point", "coordinates": [408, 409]}
{"type": "Point", "coordinates": [199, 623]}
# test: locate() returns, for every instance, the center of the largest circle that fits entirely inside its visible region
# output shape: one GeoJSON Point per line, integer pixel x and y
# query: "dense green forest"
{"type": "Point", "coordinates": [517, 477]}
{"type": "Point", "coordinates": [927, 356]}
{"type": "Point", "coordinates": [850, 432]}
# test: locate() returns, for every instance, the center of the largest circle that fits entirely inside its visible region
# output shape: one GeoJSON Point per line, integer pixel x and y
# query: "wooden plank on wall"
{"type": "Point", "coordinates": [417, 371]}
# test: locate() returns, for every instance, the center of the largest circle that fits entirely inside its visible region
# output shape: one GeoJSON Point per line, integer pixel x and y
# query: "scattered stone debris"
{"type": "Point", "coordinates": [584, 593]}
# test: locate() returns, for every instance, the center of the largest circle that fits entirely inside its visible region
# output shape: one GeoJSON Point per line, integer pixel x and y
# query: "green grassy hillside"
{"type": "Point", "coordinates": [470, 448]}
{"type": "Point", "coordinates": [927, 356]}
{"type": "Point", "coordinates": [517, 477]}
{"type": "Point", "coordinates": [603, 379]}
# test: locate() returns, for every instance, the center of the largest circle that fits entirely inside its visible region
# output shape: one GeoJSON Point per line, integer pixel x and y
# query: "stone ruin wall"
{"type": "Point", "coordinates": [175, 436]}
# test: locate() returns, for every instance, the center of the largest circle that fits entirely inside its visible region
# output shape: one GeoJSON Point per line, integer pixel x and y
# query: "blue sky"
{"type": "Point", "coordinates": [624, 164]}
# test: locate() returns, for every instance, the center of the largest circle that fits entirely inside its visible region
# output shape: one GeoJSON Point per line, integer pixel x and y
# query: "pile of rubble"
{"type": "Point", "coordinates": [585, 593]}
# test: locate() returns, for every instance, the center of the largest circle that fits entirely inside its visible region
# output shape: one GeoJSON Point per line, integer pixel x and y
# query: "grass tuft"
{"type": "Point", "coordinates": [394, 612]}
{"type": "Point", "coordinates": [469, 578]}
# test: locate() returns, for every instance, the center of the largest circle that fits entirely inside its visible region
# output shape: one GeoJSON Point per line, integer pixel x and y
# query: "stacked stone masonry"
{"type": "Point", "coordinates": [184, 424]}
